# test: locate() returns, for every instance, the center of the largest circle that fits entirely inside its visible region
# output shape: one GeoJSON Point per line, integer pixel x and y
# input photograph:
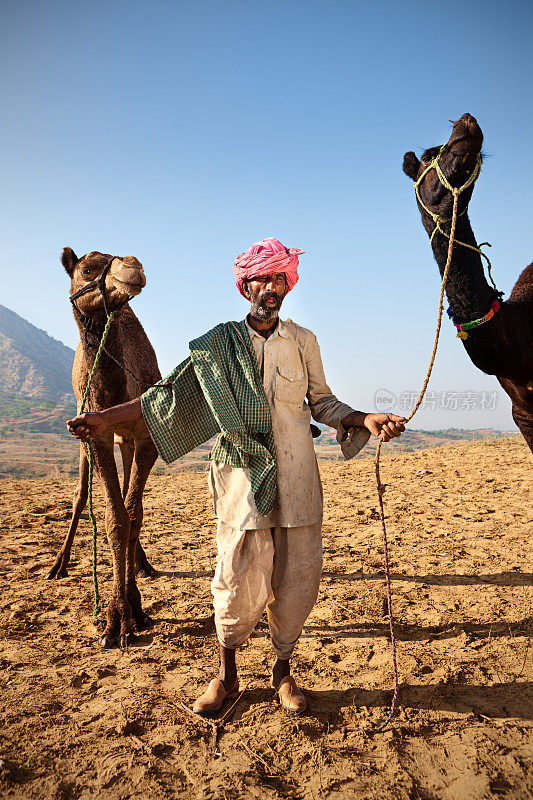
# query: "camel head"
{"type": "Point", "coordinates": [457, 161]}
{"type": "Point", "coordinates": [125, 278]}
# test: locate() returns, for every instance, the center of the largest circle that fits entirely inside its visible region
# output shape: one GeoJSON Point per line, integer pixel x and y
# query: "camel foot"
{"type": "Point", "coordinates": [139, 618]}
{"type": "Point", "coordinates": [119, 620]}
{"type": "Point", "coordinates": [146, 571]}
{"type": "Point", "coordinates": [108, 640]}
{"type": "Point", "coordinates": [124, 640]}
{"type": "Point", "coordinates": [59, 570]}
{"type": "Point", "coordinates": [57, 574]}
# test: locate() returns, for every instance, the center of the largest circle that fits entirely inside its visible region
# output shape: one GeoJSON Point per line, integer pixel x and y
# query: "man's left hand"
{"type": "Point", "coordinates": [384, 426]}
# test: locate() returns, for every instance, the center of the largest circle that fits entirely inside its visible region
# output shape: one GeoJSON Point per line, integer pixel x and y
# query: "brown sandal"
{"type": "Point", "coordinates": [213, 699]}
{"type": "Point", "coordinates": [290, 697]}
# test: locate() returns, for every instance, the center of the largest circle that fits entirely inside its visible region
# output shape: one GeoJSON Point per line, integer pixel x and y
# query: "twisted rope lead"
{"type": "Point", "coordinates": [381, 487]}
{"type": "Point", "coordinates": [91, 464]}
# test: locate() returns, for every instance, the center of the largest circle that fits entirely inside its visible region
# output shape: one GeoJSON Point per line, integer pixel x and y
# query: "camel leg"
{"type": "Point", "coordinates": [127, 450]}
{"type": "Point", "coordinates": [524, 421]}
{"type": "Point", "coordinates": [143, 568]}
{"type": "Point", "coordinates": [522, 408]}
{"type": "Point", "coordinates": [119, 626]}
{"type": "Point", "coordinates": [145, 458]}
{"type": "Point", "coordinates": [142, 565]}
{"type": "Point", "coordinates": [59, 570]}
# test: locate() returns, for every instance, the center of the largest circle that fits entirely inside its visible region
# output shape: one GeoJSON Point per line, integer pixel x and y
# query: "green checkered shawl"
{"type": "Point", "coordinates": [218, 389]}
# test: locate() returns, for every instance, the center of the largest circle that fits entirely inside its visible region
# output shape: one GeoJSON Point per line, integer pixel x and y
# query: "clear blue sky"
{"type": "Point", "coordinates": [180, 132]}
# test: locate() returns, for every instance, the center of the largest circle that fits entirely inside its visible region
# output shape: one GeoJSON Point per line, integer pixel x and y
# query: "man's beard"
{"type": "Point", "coordinates": [260, 311]}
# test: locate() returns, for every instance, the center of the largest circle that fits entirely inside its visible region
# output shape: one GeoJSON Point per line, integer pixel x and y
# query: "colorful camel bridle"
{"type": "Point", "coordinates": [465, 327]}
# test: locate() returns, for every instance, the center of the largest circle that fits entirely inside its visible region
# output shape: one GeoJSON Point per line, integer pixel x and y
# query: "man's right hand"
{"type": "Point", "coordinates": [87, 425]}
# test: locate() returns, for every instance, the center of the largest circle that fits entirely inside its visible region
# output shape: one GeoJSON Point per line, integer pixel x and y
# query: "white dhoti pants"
{"type": "Point", "coordinates": [274, 568]}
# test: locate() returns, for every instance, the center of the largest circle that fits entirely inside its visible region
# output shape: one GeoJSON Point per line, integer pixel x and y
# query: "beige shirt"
{"type": "Point", "coordinates": [296, 389]}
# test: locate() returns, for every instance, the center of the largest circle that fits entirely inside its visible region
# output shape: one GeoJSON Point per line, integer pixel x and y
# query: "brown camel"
{"type": "Point", "coordinates": [502, 346]}
{"type": "Point", "coordinates": [127, 342]}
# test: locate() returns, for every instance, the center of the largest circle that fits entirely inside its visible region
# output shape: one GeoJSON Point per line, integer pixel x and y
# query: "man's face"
{"type": "Point", "coordinates": [266, 294]}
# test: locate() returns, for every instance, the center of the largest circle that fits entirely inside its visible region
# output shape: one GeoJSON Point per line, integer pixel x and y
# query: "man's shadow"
{"type": "Point", "coordinates": [498, 579]}
{"type": "Point", "coordinates": [413, 633]}
{"type": "Point", "coordinates": [204, 626]}
{"type": "Point", "coordinates": [500, 700]}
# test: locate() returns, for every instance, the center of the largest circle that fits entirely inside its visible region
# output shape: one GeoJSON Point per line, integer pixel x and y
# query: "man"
{"type": "Point", "coordinates": [269, 543]}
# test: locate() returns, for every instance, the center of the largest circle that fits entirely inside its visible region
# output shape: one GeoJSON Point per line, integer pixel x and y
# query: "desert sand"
{"type": "Point", "coordinates": [81, 722]}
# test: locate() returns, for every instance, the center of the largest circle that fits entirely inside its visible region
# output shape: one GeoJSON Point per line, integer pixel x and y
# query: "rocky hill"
{"type": "Point", "coordinates": [32, 363]}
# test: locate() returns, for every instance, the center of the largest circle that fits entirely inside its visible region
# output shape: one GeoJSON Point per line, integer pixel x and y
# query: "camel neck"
{"type": "Point", "coordinates": [91, 342]}
{"type": "Point", "coordinates": [469, 294]}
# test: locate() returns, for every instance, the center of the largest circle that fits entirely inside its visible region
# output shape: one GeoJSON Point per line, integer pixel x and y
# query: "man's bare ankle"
{"type": "Point", "coordinates": [280, 670]}
{"type": "Point", "coordinates": [228, 680]}
{"type": "Point", "coordinates": [228, 668]}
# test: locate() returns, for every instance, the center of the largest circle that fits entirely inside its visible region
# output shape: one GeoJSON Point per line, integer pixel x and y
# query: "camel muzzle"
{"type": "Point", "coordinates": [100, 284]}
{"type": "Point", "coordinates": [466, 132]}
{"type": "Point", "coordinates": [127, 275]}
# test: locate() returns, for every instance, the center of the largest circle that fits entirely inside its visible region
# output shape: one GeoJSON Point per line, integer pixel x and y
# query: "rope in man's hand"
{"type": "Point", "coordinates": [379, 485]}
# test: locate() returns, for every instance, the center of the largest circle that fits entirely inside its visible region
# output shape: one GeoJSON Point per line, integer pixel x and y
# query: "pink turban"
{"type": "Point", "coordinates": [265, 257]}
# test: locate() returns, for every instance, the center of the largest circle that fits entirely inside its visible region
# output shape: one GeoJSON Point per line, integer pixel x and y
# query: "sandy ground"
{"type": "Point", "coordinates": [80, 722]}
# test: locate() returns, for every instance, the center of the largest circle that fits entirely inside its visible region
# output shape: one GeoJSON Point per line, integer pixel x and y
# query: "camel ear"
{"type": "Point", "coordinates": [411, 165]}
{"type": "Point", "coordinates": [69, 259]}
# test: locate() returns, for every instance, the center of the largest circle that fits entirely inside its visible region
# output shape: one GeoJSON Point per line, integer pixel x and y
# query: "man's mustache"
{"type": "Point", "coordinates": [270, 296]}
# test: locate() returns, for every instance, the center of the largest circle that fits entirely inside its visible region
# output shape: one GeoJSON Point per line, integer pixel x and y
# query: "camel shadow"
{"type": "Point", "coordinates": [174, 574]}
{"type": "Point", "coordinates": [501, 700]}
{"type": "Point", "coordinates": [498, 579]}
{"type": "Point", "coordinates": [144, 638]}
{"type": "Point", "coordinates": [413, 633]}
{"type": "Point", "coordinates": [199, 626]}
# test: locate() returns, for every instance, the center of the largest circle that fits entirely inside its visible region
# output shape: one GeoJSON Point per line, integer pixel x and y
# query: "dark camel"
{"type": "Point", "coordinates": [112, 385]}
{"type": "Point", "coordinates": [503, 346]}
